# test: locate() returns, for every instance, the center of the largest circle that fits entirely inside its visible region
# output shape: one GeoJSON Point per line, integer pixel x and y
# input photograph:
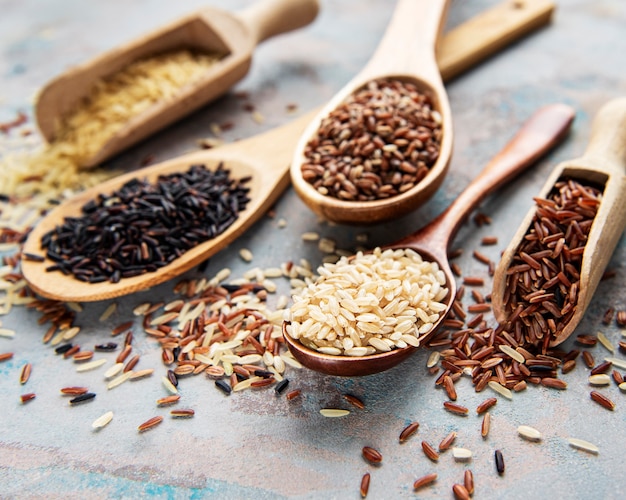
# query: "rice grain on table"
{"type": "Point", "coordinates": [103, 420]}
{"type": "Point", "coordinates": [371, 303]}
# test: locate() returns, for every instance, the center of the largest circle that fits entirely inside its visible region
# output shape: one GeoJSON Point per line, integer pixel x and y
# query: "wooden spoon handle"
{"type": "Point", "coordinates": [269, 18]}
{"type": "Point", "coordinates": [410, 40]}
{"type": "Point", "coordinates": [538, 135]}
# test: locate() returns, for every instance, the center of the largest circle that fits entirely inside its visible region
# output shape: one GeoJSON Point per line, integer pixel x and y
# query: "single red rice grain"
{"type": "Point", "coordinates": [588, 359]}
{"type": "Point", "coordinates": [83, 356]}
{"type": "Point", "coordinates": [429, 451]}
{"type": "Point", "coordinates": [520, 386]}
{"type": "Point", "coordinates": [485, 405]}
{"type": "Point", "coordinates": [473, 281]}
{"type": "Point", "coordinates": [568, 366]}
{"type": "Point", "coordinates": [460, 492]}
{"type": "Point", "coordinates": [5, 356]}
{"type": "Point", "coordinates": [588, 340]}
{"type": "Point", "coordinates": [132, 363]}
{"type": "Point", "coordinates": [602, 400]}
{"type": "Point", "coordinates": [372, 455]}
{"type": "Point", "coordinates": [617, 377]}
{"type": "Point", "coordinates": [408, 431]}
{"type": "Point", "coordinates": [481, 257]}
{"type": "Point", "coordinates": [168, 400]}
{"type": "Point", "coordinates": [120, 328]}
{"type": "Point", "coordinates": [603, 367]}
{"type": "Point", "coordinates": [149, 424]}
{"type": "Point", "coordinates": [121, 357]}
{"type": "Point", "coordinates": [447, 441]}
{"type": "Point", "coordinates": [365, 484]}
{"type": "Point", "coordinates": [554, 383]}
{"type": "Point", "coordinates": [293, 394]}
{"type": "Point", "coordinates": [455, 408]}
{"type": "Point", "coordinates": [354, 401]}
{"type": "Point", "coordinates": [424, 481]}
{"type": "Point", "coordinates": [468, 481]}
{"type": "Point", "coordinates": [448, 385]}
{"type": "Point", "coordinates": [489, 240]}
{"type": "Point", "coordinates": [27, 397]}
{"type": "Point", "coordinates": [74, 391]}
{"type": "Point", "coordinates": [25, 373]}
{"type": "Point", "coordinates": [486, 425]}
{"type": "Point", "coordinates": [608, 316]}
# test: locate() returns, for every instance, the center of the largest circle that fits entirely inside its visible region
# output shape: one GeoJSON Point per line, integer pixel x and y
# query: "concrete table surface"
{"type": "Point", "coordinates": [258, 445]}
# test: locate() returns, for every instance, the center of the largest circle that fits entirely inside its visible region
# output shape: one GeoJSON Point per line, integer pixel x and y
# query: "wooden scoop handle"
{"type": "Point", "coordinates": [269, 18]}
{"type": "Point", "coordinates": [542, 131]}
{"type": "Point", "coordinates": [606, 150]}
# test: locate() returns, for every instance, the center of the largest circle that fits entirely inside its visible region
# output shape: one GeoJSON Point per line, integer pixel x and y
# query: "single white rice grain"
{"type": "Point", "coordinates": [171, 388]}
{"type": "Point", "coordinates": [120, 380]}
{"type": "Point", "coordinates": [310, 236]}
{"type": "Point", "coordinates": [141, 309]}
{"type": "Point", "coordinates": [70, 333]}
{"type": "Point", "coordinates": [599, 379]}
{"type": "Point", "coordinates": [106, 314]}
{"type": "Point", "coordinates": [91, 365]}
{"type": "Point", "coordinates": [5, 332]}
{"type": "Point", "coordinates": [246, 254]}
{"type": "Point", "coordinates": [114, 370]}
{"type": "Point", "coordinates": [102, 420]}
{"type": "Point", "coordinates": [433, 359]}
{"type": "Point", "coordinates": [461, 454]}
{"type": "Point", "coordinates": [622, 387]}
{"type": "Point", "coordinates": [583, 445]}
{"type": "Point", "coordinates": [606, 342]}
{"type": "Point", "coordinates": [334, 412]}
{"type": "Point", "coordinates": [512, 353]}
{"type": "Point", "coordinates": [529, 433]}
{"type": "Point", "coordinates": [500, 389]}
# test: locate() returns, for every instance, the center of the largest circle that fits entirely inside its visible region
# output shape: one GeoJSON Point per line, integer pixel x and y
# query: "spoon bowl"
{"type": "Point", "coordinates": [406, 53]}
{"type": "Point", "coordinates": [536, 137]}
{"type": "Point", "coordinates": [604, 165]}
{"type": "Point", "coordinates": [265, 158]}
{"type": "Point", "coordinates": [234, 36]}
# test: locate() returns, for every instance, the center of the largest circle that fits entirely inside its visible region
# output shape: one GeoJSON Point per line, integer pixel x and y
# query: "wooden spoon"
{"type": "Point", "coordinates": [406, 53]}
{"type": "Point", "coordinates": [537, 136]}
{"type": "Point", "coordinates": [602, 164]}
{"type": "Point", "coordinates": [210, 30]}
{"type": "Point", "coordinates": [266, 157]}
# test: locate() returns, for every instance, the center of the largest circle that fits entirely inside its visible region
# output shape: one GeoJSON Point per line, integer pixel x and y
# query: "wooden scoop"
{"type": "Point", "coordinates": [266, 157]}
{"type": "Point", "coordinates": [603, 165]}
{"type": "Point", "coordinates": [538, 135]}
{"type": "Point", "coordinates": [406, 53]}
{"type": "Point", "coordinates": [209, 30]}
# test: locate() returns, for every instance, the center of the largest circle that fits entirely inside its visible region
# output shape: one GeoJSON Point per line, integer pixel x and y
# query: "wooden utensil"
{"type": "Point", "coordinates": [269, 165]}
{"type": "Point", "coordinates": [406, 53]}
{"type": "Point", "coordinates": [603, 164]}
{"type": "Point", "coordinates": [537, 136]}
{"type": "Point", "coordinates": [210, 30]}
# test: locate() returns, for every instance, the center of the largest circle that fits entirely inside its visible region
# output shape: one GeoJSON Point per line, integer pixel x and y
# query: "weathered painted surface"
{"type": "Point", "coordinates": [257, 445]}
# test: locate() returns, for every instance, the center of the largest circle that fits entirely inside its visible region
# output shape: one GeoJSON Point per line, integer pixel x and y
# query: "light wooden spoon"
{"type": "Point", "coordinates": [406, 53]}
{"type": "Point", "coordinates": [267, 158]}
{"type": "Point", "coordinates": [537, 136]}
{"type": "Point", "coordinates": [603, 164]}
{"type": "Point", "coordinates": [210, 30]}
